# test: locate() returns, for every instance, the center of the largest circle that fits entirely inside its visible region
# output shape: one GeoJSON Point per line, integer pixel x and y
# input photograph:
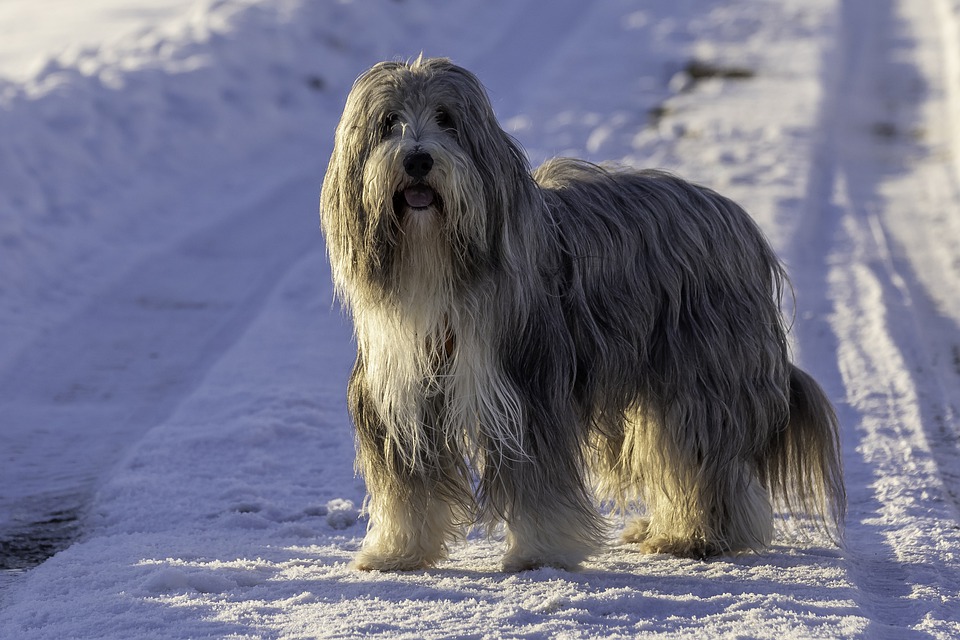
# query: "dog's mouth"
{"type": "Point", "coordinates": [416, 197]}
{"type": "Point", "coordinates": [419, 196]}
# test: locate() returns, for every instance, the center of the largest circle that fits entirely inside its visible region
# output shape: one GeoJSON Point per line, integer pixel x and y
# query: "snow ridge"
{"type": "Point", "coordinates": [903, 447]}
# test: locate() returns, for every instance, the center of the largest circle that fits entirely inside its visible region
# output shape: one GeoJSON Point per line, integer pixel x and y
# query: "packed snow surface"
{"type": "Point", "coordinates": [173, 365]}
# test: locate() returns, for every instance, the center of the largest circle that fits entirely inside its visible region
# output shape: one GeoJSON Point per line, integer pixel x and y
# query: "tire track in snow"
{"type": "Point", "coordinates": [508, 65]}
{"type": "Point", "coordinates": [531, 67]}
{"type": "Point", "coordinates": [902, 527]}
{"type": "Point", "coordinates": [123, 365]}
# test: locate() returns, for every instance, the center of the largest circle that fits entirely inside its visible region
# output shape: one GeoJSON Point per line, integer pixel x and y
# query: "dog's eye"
{"type": "Point", "coordinates": [444, 119]}
{"type": "Point", "coordinates": [390, 121]}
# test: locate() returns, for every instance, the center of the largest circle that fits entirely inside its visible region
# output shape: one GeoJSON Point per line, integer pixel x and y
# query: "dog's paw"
{"type": "Point", "coordinates": [640, 532]}
{"type": "Point", "coordinates": [516, 565]}
{"type": "Point", "coordinates": [515, 562]}
{"type": "Point", "coordinates": [369, 560]}
{"type": "Point", "coordinates": [637, 531]}
{"type": "Point", "coordinates": [678, 547]}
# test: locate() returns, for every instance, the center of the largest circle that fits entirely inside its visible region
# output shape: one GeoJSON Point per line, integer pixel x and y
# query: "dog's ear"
{"type": "Point", "coordinates": [499, 159]}
{"type": "Point", "coordinates": [358, 238]}
{"type": "Point", "coordinates": [342, 214]}
{"type": "Point", "coordinates": [340, 202]}
{"type": "Point", "coordinates": [484, 137]}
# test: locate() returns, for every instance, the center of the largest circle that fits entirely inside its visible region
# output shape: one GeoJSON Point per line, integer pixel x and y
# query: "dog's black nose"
{"type": "Point", "coordinates": [418, 164]}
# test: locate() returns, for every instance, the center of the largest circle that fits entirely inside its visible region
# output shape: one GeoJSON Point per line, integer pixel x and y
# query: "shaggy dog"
{"type": "Point", "coordinates": [526, 338]}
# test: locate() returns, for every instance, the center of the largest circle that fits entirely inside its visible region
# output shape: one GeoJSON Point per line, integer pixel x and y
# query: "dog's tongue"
{"type": "Point", "coordinates": [418, 196]}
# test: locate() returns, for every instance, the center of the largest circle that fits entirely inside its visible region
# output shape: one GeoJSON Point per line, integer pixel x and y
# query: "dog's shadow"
{"type": "Point", "coordinates": [621, 591]}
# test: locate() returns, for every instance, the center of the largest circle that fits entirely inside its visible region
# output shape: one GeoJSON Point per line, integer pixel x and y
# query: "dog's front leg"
{"type": "Point", "coordinates": [409, 528]}
{"type": "Point", "coordinates": [549, 514]}
{"type": "Point", "coordinates": [419, 493]}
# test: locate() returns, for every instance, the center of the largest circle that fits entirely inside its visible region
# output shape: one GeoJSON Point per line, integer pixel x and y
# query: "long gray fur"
{"type": "Point", "coordinates": [531, 343]}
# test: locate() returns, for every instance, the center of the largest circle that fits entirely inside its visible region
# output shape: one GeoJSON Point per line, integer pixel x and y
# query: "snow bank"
{"type": "Point", "coordinates": [104, 146]}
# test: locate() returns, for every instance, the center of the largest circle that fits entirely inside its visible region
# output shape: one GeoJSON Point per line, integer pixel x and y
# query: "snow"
{"type": "Point", "coordinates": [173, 367]}
{"type": "Point", "coordinates": [31, 34]}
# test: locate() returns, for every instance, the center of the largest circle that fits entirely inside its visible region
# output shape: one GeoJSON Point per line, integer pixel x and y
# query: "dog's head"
{"type": "Point", "coordinates": [419, 159]}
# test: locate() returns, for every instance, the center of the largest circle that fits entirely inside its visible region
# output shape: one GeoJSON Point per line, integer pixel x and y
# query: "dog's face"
{"type": "Point", "coordinates": [418, 159]}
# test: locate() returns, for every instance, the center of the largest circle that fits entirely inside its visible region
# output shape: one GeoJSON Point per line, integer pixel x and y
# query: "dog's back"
{"type": "Point", "coordinates": [673, 294]}
{"type": "Point", "coordinates": [678, 276]}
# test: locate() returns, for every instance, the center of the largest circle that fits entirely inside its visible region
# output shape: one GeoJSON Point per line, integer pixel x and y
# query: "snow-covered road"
{"type": "Point", "coordinates": [883, 200]}
{"type": "Point", "coordinates": [173, 367]}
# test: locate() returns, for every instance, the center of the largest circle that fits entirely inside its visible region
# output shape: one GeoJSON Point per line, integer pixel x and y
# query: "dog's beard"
{"type": "Point", "coordinates": [419, 214]}
{"type": "Point", "coordinates": [403, 327]}
{"type": "Point", "coordinates": [422, 266]}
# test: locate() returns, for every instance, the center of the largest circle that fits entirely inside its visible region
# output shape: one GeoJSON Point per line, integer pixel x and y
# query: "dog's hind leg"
{"type": "Point", "coordinates": [715, 519]}
{"type": "Point", "coordinates": [702, 498]}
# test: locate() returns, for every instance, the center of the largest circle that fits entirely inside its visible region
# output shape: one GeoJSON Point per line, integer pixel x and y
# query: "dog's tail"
{"type": "Point", "coordinates": [803, 467]}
